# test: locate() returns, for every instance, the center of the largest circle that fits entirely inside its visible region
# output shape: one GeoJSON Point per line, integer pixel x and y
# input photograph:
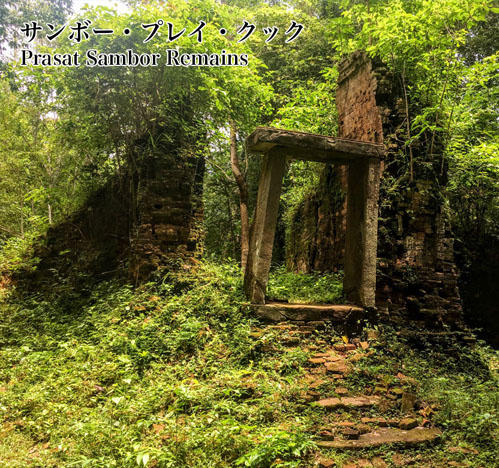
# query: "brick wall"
{"type": "Point", "coordinates": [417, 276]}
{"type": "Point", "coordinates": [168, 225]}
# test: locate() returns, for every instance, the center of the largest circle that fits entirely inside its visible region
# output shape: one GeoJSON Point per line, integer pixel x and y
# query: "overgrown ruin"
{"type": "Point", "coordinates": [139, 222]}
{"type": "Point", "coordinates": [416, 274]}
{"type": "Point", "coordinates": [363, 160]}
{"type": "Point", "coordinates": [167, 225]}
{"type": "Point", "coordinates": [395, 245]}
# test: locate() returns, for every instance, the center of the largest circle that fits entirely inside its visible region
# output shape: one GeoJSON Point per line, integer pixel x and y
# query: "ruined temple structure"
{"type": "Point", "coordinates": [150, 217]}
{"type": "Point", "coordinates": [363, 162]}
{"type": "Point", "coordinates": [318, 241]}
{"type": "Point", "coordinates": [416, 274]}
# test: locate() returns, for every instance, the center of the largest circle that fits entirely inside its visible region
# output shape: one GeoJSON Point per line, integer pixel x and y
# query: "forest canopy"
{"type": "Point", "coordinates": [66, 130]}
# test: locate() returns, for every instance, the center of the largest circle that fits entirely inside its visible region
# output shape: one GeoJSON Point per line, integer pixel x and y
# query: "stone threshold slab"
{"type": "Point", "coordinates": [282, 311]}
{"type": "Point", "coordinates": [348, 402]}
{"type": "Point", "coordinates": [383, 436]}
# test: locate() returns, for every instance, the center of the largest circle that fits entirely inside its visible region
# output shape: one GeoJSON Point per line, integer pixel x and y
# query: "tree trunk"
{"type": "Point", "coordinates": [243, 195]}
{"type": "Point", "coordinates": [22, 217]}
{"type": "Point", "coordinates": [49, 210]}
{"type": "Point", "coordinates": [408, 127]}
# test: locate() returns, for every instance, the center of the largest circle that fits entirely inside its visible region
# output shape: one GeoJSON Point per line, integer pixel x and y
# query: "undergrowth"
{"type": "Point", "coordinates": [305, 288]}
{"type": "Point", "coordinates": [171, 374]}
{"type": "Point", "coordinates": [163, 375]}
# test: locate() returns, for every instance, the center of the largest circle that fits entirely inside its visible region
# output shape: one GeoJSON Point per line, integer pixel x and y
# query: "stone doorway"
{"type": "Point", "coordinates": [363, 162]}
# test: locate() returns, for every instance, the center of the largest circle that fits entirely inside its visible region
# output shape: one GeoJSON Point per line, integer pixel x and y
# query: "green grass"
{"type": "Point", "coordinates": [305, 288]}
{"type": "Point", "coordinates": [171, 375]}
{"type": "Point", "coordinates": [165, 374]}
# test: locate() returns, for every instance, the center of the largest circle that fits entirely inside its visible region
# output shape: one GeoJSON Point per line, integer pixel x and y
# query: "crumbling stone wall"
{"type": "Point", "coordinates": [169, 214]}
{"type": "Point", "coordinates": [358, 114]}
{"type": "Point", "coordinates": [149, 217]}
{"type": "Point", "coordinates": [317, 241]}
{"type": "Point", "coordinates": [417, 276]}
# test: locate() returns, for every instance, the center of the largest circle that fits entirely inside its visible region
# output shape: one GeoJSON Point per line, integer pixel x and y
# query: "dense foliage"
{"type": "Point", "coordinates": [173, 373]}
{"type": "Point", "coordinates": [177, 373]}
{"type": "Point", "coordinates": [68, 130]}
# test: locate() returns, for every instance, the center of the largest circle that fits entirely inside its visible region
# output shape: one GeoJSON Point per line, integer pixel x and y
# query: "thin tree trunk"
{"type": "Point", "coordinates": [368, 12]}
{"type": "Point", "coordinates": [408, 128]}
{"type": "Point", "coordinates": [231, 224]}
{"type": "Point", "coordinates": [22, 217]}
{"type": "Point", "coordinates": [243, 195]}
{"type": "Point", "coordinates": [437, 116]}
{"type": "Point", "coordinates": [447, 133]}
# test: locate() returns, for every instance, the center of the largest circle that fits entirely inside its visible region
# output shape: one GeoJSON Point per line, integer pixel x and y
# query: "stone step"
{"type": "Point", "coordinates": [376, 462]}
{"type": "Point", "coordinates": [349, 402]}
{"type": "Point", "coordinates": [283, 311]}
{"type": "Point", "coordinates": [385, 435]}
{"type": "Point", "coordinates": [371, 424]}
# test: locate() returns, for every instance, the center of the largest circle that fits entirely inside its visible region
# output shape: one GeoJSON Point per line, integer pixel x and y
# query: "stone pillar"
{"type": "Point", "coordinates": [359, 119]}
{"type": "Point", "coordinates": [362, 233]}
{"type": "Point", "coordinates": [264, 225]}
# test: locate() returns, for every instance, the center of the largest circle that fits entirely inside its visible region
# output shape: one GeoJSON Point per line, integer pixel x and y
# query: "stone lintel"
{"type": "Point", "coordinates": [311, 147]}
